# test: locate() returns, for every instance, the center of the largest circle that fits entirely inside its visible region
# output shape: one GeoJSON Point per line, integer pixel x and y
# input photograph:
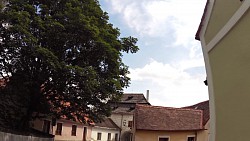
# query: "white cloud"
{"type": "Point", "coordinates": [162, 24]}
{"type": "Point", "coordinates": [157, 18]}
{"type": "Point", "coordinates": [170, 85]}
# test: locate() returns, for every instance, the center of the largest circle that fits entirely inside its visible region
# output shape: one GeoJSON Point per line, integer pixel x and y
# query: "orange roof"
{"type": "Point", "coordinates": [167, 119]}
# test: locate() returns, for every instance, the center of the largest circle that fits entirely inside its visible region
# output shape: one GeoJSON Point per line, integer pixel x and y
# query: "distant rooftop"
{"type": "Point", "coordinates": [137, 98]}
{"type": "Point", "coordinates": [204, 106]}
{"type": "Point", "coordinates": [167, 119]}
{"type": "Point", "coordinates": [107, 123]}
{"type": "Point", "coordinates": [127, 103]}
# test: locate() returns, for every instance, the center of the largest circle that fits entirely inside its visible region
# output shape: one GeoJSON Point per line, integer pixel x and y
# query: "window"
{"type": "Point", "coordinates": [73, 131]}
{"type": "Point", "coordinates": [109, 136]}
{"type": "Point", "coordinates": [84, 134]}
{"type": "Point", "coordinates": [130, 123]}
{"type": "Point", "coordinates": [99, 136]}
{"type": "Point", "coordinates": [191, 139]}
{"type": "Point", "coordinates": [46, 126]}
{"type": "Point", "coordinates": [163, 139]}
{"type": "Point", "coordinates": [116, 137]}
{"type": "Point", "coordinates": [59, 129]}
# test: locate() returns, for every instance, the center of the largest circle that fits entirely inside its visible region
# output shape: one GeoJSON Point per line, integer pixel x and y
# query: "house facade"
{"type": "Point", "coordinates": [224, 35]}
{"type": "Point", "coordinates": [64, 130]}
{"type": "Point", "coordinates": [166, 124]}
{"type": "Point", "coordinates": [123, 112]}
{"type": "Point", "coordinates": [105, 131]}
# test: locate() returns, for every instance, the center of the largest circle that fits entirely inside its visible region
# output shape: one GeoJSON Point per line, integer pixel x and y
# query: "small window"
{"type": "Point", "coordinates": [46, 126]}
{"type": "Point", "coordinates": [116, 137]}
{"type": "Point", "coordinates": [130, 123]}
{"type": "Point", "coordinates": [73, 132]}
{"type": "Point", "coordinates": [191, 139]}
{"type": "Point", "coordinates": [109, 136]}
{"type": "Point", "coordinates": [99, 136]}
{"type": "Point", "coordinates": [163, 139]}
{"type": "Point", "coordinates": [59, 129]}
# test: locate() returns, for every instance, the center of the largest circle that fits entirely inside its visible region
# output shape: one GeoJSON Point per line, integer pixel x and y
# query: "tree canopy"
{"type": "Point", "coordinates": [59, 58]}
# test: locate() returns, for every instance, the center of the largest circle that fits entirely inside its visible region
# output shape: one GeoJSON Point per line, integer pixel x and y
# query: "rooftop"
{"type": "Point", "coordinates": [204, 106]}
{"type": "Point", "coordinates": [107, 123]}
{"type": "Point", "coordinates": [167, 119]}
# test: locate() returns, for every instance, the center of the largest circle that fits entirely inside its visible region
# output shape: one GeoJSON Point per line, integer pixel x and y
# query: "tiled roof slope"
{"type": "Point", "coordinates": [167, 119]}
{"type": "Point", "coordinates": [204, 106]}
{"type": "Point", "coordinates": [133, 98]}
{"type": "Point", "coordinates": [108, 123]}
{"type": "Point", "coordinates": [127, 103]}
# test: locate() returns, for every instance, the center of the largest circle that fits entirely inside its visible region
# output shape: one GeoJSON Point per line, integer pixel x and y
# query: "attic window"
{"type": "Point", "coordinates": [130, 97]}
{"type": "Point", "coordinates": [131, 107]}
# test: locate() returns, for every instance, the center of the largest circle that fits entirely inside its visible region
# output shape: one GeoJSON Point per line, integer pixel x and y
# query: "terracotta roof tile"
{"type": "Point", "coordinates": [108, 123]}
{"type": "Point", "coordinates": [204, 106]}
{"type": "Point", "coordinates": [167, 119]}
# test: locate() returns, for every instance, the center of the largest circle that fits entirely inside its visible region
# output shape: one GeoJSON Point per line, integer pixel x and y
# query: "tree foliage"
{"type": "Point", "coordinates": [61, 58]}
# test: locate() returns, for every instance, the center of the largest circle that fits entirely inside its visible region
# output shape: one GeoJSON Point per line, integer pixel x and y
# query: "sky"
{"type": "Point", "coordinates": [170, 62]}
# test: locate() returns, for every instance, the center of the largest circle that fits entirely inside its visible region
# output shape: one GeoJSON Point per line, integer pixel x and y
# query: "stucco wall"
{"type": "Point", "coordinates": [203, 135]}
{"type": "Point", "coordinates": [141, 135]}
{"type": "Point", "coordinates": [121, 120]}
{"type": "Point", "coordinates": [104, 132]}
{"type": "Point", "coordinates": [230, 69]}
{"type": "Point", "coordinates": [66, 130]}
{"type": "Point", "coordinates": [222, 12]}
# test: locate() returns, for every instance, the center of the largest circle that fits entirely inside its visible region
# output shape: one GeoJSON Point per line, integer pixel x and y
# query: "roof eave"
{"type": "Point", "coordinates": [197, 35]}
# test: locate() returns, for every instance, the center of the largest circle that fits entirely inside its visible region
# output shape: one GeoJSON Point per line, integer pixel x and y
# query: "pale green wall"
{"type": "Point", "coordinates": [222, 12]}
{"type": "Point", "coordinates": [230, 68]}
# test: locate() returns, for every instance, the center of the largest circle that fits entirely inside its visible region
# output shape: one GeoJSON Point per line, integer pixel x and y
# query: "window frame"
{"type": "Point", "coordinates": [130, 124]}
{"type": "Point", "coordinates": [73, 130]}
{"type": "Point", "coordinates": [59, 131]}
{"type": "Point", "coordinates": [163, 137]}
{"type": "Point", "coordinates": [191, 136]}
{"type": "Point", "coordinates": [46, 126]}
{"type": "Point", "coordinates": [99, 136]}
{"type": "Point", "coordinates": [116, 137]}
{"type": "Point", "coordinates": [109, 137]}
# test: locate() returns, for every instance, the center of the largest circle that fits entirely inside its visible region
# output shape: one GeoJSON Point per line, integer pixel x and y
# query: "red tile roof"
{"type": "Point", "coordinates": [167, 119]}
{"type": "Point", "coordinates": [107, 123]}
{"type": "Point", "coordinates": [204, 106]}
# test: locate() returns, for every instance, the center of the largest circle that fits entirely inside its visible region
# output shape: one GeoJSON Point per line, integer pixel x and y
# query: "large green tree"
{"type": "Point", "coordinates": [61, 58]}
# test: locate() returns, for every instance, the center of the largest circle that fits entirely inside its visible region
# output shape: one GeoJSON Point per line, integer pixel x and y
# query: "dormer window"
{"type": "Point", "coordinates": [130, 97]}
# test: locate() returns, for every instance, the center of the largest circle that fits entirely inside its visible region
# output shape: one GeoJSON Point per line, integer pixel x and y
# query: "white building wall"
{"type": "Point", "coordinates": [104, 132]}
{"type": "Point", "coordinates": [122, 120]}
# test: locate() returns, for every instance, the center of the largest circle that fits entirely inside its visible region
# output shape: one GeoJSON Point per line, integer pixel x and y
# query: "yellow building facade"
{"type": "Point", "coordinates": [225, 37]}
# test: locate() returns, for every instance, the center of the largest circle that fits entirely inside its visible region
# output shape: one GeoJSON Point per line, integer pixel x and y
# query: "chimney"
{"type": "Point", "coordinates": [148, 95]}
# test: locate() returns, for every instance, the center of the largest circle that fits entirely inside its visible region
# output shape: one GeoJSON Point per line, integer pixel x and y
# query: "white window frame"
{"type": "Point", "coordinates": [191, 136]}
{"type": "Point", "coordinates": [164, 137]}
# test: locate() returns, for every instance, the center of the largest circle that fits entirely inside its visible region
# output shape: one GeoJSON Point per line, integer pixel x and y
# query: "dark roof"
{"type": "Point", "coordinates": [107, 123]}
{"type": "Point", "coordinates": [127, 103]}
{"type": "Point", "coordinates": [197, 35]}
{"type": "Point", "coordinates": [204, 106]}
{"type": "Point", "coordinates": [167, 119]}
{"type": "Point", "coordinates": [124, 108]}
{"type": "Point", "coordinates": [133, 98]}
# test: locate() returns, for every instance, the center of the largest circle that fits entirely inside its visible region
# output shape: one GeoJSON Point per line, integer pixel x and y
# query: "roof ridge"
{"type": "Point", "coordinates": [170, 108]}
